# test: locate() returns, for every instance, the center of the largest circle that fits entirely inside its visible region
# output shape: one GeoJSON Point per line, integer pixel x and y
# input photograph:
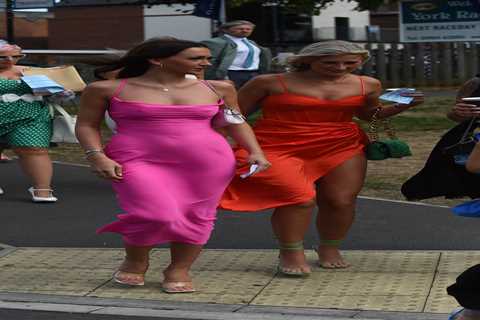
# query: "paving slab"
{"type": "Point", "coordinates": [32, 304]}
{"type": "Point", "coordinates": [393, 281]}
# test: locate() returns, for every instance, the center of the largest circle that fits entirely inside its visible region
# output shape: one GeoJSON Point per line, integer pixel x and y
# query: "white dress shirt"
{"type": "Point", "coordinates": [242, 53]}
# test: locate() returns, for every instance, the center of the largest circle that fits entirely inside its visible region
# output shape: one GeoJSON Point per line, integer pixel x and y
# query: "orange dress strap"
{"type": "Point", "coordinates": [282, 82]}
{"type": "Point", "coordinates": [362, 84]}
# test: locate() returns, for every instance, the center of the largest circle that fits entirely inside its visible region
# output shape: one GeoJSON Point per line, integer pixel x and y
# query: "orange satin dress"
{"type": "Point", "coordinates": [304, 138]}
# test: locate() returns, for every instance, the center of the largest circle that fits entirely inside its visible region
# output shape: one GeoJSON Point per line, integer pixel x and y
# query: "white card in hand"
{"type": "Point", "coordinates": [395, 95]}
{"type": "Point", "coordinates": [251, 171]}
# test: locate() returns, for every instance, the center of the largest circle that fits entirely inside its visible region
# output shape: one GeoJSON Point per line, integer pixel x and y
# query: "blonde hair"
{"type": "Point", "coordinates": [325, 48]}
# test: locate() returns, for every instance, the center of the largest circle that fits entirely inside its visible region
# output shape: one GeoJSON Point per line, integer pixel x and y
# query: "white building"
{"type": "Point", "coordinates": [175, 21]}
{"type": "Point", "coordinates": [324, 23]}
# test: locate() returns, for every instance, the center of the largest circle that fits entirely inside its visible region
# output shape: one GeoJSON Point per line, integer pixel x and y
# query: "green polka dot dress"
{"type": "Point", "coordinates": [22, 123]}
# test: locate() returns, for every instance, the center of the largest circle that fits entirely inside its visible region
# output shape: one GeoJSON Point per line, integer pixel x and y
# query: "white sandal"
{"type": "Point", "coordinates": [35, 198]}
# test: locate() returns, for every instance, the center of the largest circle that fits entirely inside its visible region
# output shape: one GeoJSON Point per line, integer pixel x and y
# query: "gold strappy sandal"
{"type": "Point", "coordinates": [287, 271]}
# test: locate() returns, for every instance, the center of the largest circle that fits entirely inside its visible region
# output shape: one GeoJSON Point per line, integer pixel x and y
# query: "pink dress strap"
{"type": "Point", "coordinates": [211, 87]}
{"type": "Point", "coordinates": [119, 88]}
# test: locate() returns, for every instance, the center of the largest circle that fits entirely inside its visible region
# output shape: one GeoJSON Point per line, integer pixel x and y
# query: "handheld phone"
{"type": "Point", "coordinates": [252, 170]}
{"type": "Point", "coordinates": [409, 90]}
{"type": "Point", "coordinates": [472, 100]}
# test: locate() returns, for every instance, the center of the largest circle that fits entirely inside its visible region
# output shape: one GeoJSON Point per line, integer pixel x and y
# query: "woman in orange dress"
{"type": "Point", "coordinates": [316, 150]}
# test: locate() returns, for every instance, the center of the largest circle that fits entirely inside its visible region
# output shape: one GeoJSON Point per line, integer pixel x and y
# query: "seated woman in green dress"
{"type": "Point", "coordinates": [25, 124]}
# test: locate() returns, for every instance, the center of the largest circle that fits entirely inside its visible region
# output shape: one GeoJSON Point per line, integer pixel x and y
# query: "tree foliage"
{"type": "Point", "coordinates": [310, 6]}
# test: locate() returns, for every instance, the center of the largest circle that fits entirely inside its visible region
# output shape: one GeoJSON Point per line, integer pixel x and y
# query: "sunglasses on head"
{"type": "Point", "coordinates": [18, 56]}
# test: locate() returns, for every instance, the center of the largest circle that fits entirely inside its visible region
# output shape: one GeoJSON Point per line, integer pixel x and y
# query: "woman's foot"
{"type": "Point", "coordinates": [293, 263]}
{"type": "Point", "coordinates": [42, 195]}
{"type": "Point", "coordinates": [4, 158]}
{"type": "Point", "coordinates": [329, 257]}
{"type": "Point", "coordinates": [177, 281]}
{"type": "Point", "coordinates": [129, 278]}
{"type": "Point", "coordinates": [131, 273]}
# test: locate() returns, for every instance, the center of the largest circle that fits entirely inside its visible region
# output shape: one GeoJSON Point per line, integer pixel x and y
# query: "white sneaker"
{"type": "Point", "coordinates": [1, 191]}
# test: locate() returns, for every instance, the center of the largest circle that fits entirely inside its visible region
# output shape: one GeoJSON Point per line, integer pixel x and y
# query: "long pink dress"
{"type": "Point", "coordinates": [175, 169]}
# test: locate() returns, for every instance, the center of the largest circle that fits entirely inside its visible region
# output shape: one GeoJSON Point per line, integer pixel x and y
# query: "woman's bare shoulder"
{"type": "Point", "coordinates": [371, 81]}
{"type": "Point", "coordinates": [264, 81]}
{"type": "Point", "coordinates": [267, 78]}
{"type": "Point", "coordinates": [104, 84]}
{"type": "Point", "coordinates": [221, 84]}
{"type": "Point", "coordinates": [103, 87]}
{"type": "Point", "coordinates": [223, 87]}
{"type": "Point", "coordinates": [372, 86]}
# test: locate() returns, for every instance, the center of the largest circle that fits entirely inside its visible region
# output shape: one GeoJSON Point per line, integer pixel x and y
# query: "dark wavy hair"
{"type": "Point", "coordinates": [135, 62]}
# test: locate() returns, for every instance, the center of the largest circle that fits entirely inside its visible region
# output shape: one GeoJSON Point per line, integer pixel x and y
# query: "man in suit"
{"type": "Point", "coordinates": [234, 56]}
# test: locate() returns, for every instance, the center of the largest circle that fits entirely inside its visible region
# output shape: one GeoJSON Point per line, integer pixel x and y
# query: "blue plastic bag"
{"type": "Point", "coordinates": [469, 209]}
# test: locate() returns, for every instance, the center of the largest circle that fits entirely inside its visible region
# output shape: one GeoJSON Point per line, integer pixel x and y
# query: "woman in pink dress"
{"type": "Point", "coordinates": [168, 166]}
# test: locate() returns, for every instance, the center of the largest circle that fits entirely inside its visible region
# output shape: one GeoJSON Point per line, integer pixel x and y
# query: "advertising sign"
{"type": "Point", "coordinates": [439, 20]}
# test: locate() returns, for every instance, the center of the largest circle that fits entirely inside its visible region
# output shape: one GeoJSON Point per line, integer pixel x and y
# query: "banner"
{"type": "Point", "coordinates": [439, 20]}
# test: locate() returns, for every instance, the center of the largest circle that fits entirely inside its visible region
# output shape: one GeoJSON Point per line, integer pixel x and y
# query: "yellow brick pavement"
{"type": "Point", "coordinates": [409, 281]}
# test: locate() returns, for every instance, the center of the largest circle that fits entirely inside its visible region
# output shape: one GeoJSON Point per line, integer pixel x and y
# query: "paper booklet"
{"type": "Point", "coordinates": [67, 76]}
{"type": "Point", "coordinates": [41, 84]}
{"type": "Point", "coordinates": [395, 95]}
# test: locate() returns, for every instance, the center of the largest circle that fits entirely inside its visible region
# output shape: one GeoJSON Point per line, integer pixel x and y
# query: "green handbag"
{"type": "Point", "coordinates": [386, 148]}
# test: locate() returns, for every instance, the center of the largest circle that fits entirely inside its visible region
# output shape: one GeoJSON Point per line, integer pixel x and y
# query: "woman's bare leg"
{"type": "Point", "coordinates": [36, 164]}
{"type": "Point", "coordinates": [336, 196]}
{"type": "Point", "coordinates": [290, 223]}
{"type": "Point", "coordinates": [183, 256]}
{"type": "Point", "coordinates": [133, 268]}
